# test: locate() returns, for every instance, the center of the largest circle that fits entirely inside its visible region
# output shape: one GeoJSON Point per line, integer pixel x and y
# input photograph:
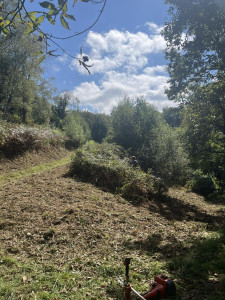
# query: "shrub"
{"type": "Point", "coordinates": [202, 184]}
{"type": "Point", "coordinates": [2, 136]}
{"type": "Point", "coordinates": [107, 166]}
{"type": "Point", "coordinates": [15, 140]}
{"type": "Point", "coordinates": [76, 130]}
{"type": "Point", "coordinates": [164, 153]}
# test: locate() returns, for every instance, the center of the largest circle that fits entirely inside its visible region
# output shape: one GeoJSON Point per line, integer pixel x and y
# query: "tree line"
{"type": "Point", "coordinates": [187, 139]}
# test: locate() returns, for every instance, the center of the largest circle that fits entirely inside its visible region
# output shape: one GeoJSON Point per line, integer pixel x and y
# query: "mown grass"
{"type": "Point", "coordinates": [78, 280]}
{"type": "Point", "coordinates": [34, 170]}
{"type": "Point", "coordinates": [199, 273]}
{"type": "Point", "coordinates": [203, 267]}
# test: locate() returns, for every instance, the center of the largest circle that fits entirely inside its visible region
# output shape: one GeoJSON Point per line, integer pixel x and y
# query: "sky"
{"type": "Point", "coordinates": [125, 48]}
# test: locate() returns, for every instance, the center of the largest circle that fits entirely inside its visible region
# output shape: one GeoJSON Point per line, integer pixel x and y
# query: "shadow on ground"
{"type": "Point", "coordinates": [174, 209]}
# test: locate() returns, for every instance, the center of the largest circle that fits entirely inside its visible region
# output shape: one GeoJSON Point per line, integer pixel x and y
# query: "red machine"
{"type": "Point", "coordinates": [162, 287]}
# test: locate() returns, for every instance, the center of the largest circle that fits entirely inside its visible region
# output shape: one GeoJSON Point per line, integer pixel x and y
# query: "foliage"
{"type": "Point", "coordinates": [201, 184]}
{"type": "Point", "coordinates": [19, 76]}
{"type": "Point", "coordinates": [173, 116]}
{"type": "Point", "coordinates": [18, 139]}
{"type": "Point", "coordinates": [133, 121]}
{"type": "Point", "coordinates": [164, 153]}
{"type": "Point", "coordinates": [13, 13]}
{"type": "Point", "coordinates": [2, 135]}
{"type": "Point", "coordinates": [140, 128]}
{"type": "Point", "coordinates": [195, 43]}
{"type": "Point", "coordinates": [204, 128]}
{"type": "Point", "coordinates": [41, 110]}
{"type": "Point", "coordinates": [107, 166]}
{"type": "Point", "coordinates": [99, 125]}
{"type": "Point", "coordinates": [41, 107]}
{"type": "Point", "coordinates": [76, 129]}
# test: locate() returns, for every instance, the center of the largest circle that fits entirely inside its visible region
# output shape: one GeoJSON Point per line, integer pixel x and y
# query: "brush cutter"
{"type": "Point", "coordinates": [162, 287]}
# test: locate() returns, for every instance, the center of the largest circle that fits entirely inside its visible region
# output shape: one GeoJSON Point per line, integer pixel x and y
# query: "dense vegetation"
{"type": "Point", "coordinates": [170, 144]}
{"type": "Point", "coordinates": [108, 167]}
{"type": "Point", "coordinates": [135, 152]}
{"type": "Point", "coordinates": [195, 39]}
{"type": "Point", "coordinates": [181, 144]}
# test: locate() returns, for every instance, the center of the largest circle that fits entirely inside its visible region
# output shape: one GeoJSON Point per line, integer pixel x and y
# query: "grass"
{"type": "Point", "coordinates": [63, 239]}
{"type": "Point", "coordinates": [21, 280]}
{"type": "Point", "coordinates": [34, 170]}
{"type": "Point", "coordinates": [204, 264]}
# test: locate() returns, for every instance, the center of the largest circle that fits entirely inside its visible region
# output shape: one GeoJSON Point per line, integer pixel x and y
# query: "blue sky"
{"type": "Point", "coordinates": [126, 49]}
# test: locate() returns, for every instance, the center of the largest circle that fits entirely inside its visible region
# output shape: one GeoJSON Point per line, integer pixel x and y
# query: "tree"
{"type": "Point", "coordinates": [41, 106]}
{"type": "Point", "coordinates": [204, 128]}
{"type": "Point", "coordinates": [76, 129]}
{"type": "Point", "coordinates": [195, 44]}
{"type": "Point", "coordinates": [173, 115]}
{"type": "Point", "coordinates": [19, 73]}
{"type": "Point", "coordinates": [141, 130]}
{"type": "Point", "coordinates": [165, 154]}
{"type": "Point", "coordinates": [195, 49]}
{"type": "Point", "coordinates": [13, 12]}
{"type": "Point", "coordinates": [99, 125]}
{"type": "Point", "coordinates": [132, 122]}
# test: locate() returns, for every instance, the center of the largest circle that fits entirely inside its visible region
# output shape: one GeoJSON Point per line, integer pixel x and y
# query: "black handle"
{"type": "Point", "coordinates": [127, 262]}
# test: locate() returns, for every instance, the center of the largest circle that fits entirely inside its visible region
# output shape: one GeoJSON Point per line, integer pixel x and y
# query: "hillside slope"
{"type": "Point", "coordinates": [64, 239]}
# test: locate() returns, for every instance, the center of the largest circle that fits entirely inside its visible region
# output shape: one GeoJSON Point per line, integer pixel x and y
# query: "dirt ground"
{"type": "Point", "coordinates": [51, 217]}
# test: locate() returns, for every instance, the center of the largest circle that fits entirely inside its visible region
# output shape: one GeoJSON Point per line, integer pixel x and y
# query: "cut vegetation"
{"type": "Point", "coordinates": [65, 239]}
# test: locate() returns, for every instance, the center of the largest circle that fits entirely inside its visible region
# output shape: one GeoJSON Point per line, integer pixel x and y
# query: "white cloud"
{"type": "Point", "coordinates": [103, 97]}
{"type": "Point", "coordinates": [154, 28]}
{"type": "Point", "coordinates": [63, 59]}
{"type": "Point", "coordinates": [117, 49]}
{"type": "Point", "coordinates": [121, 60]}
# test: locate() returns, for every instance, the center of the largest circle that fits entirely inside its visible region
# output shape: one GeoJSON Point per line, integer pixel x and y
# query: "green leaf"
{"type": "Point", "coordinates": [40, 19]}
{"type": "Point", "coordinates": [41, 59]}
{"type": "Point", "coordinates": [74, 2]}
{"type": "Point", "coordinates": [71, 17]}
{"type": "Point", "coordinates": [47, 4]}
{"type": "Point", "coordinates": [29, 28]}
{"type": "Point", "coordinates": [60, 3]}
{"type": "Point", "coordinates": [51, 12]}
{"type": "Point", "coordinates": [64, 9]}
{"type": "Point", "coordinates": [50, 19]}
{"type": "Point", "coordinates": [37, 53]}
{"type": "Point", "coordinates": [64, 22]}
{"type": "Point", "coordinates": [32, 16]}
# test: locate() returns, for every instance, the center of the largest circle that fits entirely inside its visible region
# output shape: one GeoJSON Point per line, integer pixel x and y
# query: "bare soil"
{"type": "Point", "coordinates": [51, 217]}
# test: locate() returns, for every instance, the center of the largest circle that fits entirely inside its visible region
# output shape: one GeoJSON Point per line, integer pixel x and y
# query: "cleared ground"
{"type": "Point", "coordinates": [65, 239]}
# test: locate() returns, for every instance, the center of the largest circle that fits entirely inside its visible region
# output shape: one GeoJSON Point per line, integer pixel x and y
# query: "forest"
{"type": "Point", "coordinates": [179, 147]}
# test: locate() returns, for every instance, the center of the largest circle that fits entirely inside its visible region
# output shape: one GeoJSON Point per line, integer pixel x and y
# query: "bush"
{"type": "Point", "coordinates": [107, 166]}
{"type": "Point", "coordinates": [15, 140]}
{"type": "Point", "coordinates": [2, 136]}
{"type": "Point", "coordinates": [164, 153]}
{"type": "Point", "coordinates": [202, 185]}
{"type": "Point", "coordinates": [76, 130]}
